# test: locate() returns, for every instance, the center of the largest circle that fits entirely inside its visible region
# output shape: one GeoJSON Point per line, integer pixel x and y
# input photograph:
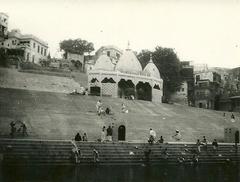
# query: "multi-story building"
{"type": "Point", "coordinates": [207, 90]}
{"type": "Point", "coordinates": [3, 26]}
{"type": "Point", "coordinates": [34, 48]}
{"type": "Point", "coordinates": [185, 93]}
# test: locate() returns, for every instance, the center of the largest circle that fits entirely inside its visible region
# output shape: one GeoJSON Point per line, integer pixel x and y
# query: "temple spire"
{"type": "Point", "coordinates": [150, 61]}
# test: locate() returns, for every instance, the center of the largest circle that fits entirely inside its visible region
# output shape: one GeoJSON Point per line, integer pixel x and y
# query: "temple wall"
{"type": "Point", "coordinates": [156, 95]}
{"type": "Point", "coordinates": [109, 89]}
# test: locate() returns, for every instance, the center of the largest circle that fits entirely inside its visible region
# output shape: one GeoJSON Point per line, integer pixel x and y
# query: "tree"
{"type": "Point", "coordinates": [76, 46]}
{"type": "Point", "coordinates": [143, 57]}
{"type": "Point", "coordinates": [168, 64]}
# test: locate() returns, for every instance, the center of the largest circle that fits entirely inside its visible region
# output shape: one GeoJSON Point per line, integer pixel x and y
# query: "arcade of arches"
{"type": "Point", "coordinates": [125, 88]}
{"type": "Point", "coordinates": [126, 78]}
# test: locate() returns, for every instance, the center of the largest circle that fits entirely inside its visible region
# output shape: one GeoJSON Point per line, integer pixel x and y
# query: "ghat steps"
{"type": "Point", "coordinates": [50, 115]}
{"type": "Point", "coordinates": [58, 152]}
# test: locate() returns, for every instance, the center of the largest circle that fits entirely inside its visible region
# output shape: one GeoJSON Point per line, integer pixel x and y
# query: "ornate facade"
{"type": "Point", "coordinates": [126, 78]}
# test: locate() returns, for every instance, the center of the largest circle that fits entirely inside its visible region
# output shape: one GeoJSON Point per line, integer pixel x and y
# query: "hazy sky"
{"type": "Point", "coordinates": [199, 31]}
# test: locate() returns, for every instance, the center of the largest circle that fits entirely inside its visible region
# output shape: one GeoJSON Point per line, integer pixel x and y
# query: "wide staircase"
{"type": "Point", "coordinates": [59, 152]}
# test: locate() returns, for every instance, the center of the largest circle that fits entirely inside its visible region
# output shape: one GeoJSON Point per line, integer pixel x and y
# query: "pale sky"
{"type": "Point", "coordinates": [199, 30]}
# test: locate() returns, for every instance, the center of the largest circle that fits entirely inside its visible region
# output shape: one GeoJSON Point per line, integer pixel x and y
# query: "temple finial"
{"type": "Point", "coordinates": [128, 45]}
{"type": "Point", "coordinates": [150, 61]}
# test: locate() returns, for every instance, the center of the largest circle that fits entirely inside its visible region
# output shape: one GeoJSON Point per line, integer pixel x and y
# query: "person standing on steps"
{"type": "Point", "coordinates": [232, 118]}
{"type": "Point", "coordinates": [204, 143]}
{"type": "Point", "coordinates": [76, 152]}
{"type": "Point", "coordinates": [13, 128]}
{"type": "Point", "coordinates": [103, 134]}
{"type": "Point", "coordinates": [198, 145]}
{"type": "Point", "coordinates": [215, 145]}
{"type": "Point", "coordinates": [109, 133]}
{"type": "Point", "coordinates": [95, 156]}
{"type": "Point", "coordinates": [152, 136]}
{"type": "Point", "coordinates": [24, 129]}
{"type": "Point", "coordinates": [99, 107]}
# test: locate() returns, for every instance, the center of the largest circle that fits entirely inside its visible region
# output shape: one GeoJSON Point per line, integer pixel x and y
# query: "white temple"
{"type": "Point", "coordinates": [126, 78]}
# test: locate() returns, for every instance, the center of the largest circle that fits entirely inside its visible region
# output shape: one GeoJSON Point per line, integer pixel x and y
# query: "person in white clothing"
{"type": "Point", "coordinates": [177, 136]}
{"type": "Point", "coordinates": [152, 136]}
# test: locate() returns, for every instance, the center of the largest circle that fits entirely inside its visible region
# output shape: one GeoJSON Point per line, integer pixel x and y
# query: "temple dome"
{"type": "Point", "coordinates": [129, 63]}
{"type": "Point", "coordinates": [152, 70]}
{"type": "Point", "coordinates": [104, 63]}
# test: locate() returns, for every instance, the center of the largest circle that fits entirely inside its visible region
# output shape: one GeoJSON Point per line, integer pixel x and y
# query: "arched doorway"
{"type": "Point", "coordinates": [125, 88]}
{"type": "Point", "coordinates": [95, 89]}
{"type": "Point", "coordinates": [108, 80]}
{"type": "Point", "coordinates": [122, 133]}
{"type": "Point", "coordinates": [78, 65]}
{"type": "Point", "coordinates": [237, 137]}
{"type": "Point", "coordinates": [144, 91]}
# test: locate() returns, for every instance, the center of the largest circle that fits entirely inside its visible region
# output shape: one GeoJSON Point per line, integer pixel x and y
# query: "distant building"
{"type": "Point", "coordinates": [200, 68]}
{"type": "Point", "coordinates": [34, 48]}
{"type": "Point", "coordinates": [113, 52]}
{"type": "Point", "coordinates": [89, 63]}
{"type": "Point", "coordinates": [185, 93]}
{"type": "Point", "coordinates": [3, 26]}
{"type": "Point", "coordinates": [75, 61]}
{"type": "Point", "coordinates": [207, 90]}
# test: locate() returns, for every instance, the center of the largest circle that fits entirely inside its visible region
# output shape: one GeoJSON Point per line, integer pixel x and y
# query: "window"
{"type": "Point", "coordinates": [34, 45]}
{"type": "Point", "coordinates": [197, 77]}
{"type": "Point", "coordinates": [182, 89]}
{"type": "Point", "coordinates": [108, 53]}
{"type": "Point", "coordinates": [41, 50]}
{"type": "Point", "coordinates": [45, 52]}
{"type": "Point", "coordinates": [33, 58]}
{"type": "Point", "coordinates": [2, 43]}
{"type": "Point", "coordinates": [38, 48]}
{"type": "Point", "coordinates": [28, 56]}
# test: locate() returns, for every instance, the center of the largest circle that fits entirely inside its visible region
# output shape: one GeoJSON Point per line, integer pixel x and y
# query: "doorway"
{"type": "Point", "coordinates": [237, 137]}
{"type": "Point", "coordinates": [122, 133]}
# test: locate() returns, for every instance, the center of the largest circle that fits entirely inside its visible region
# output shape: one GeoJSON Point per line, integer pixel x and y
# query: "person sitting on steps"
{"type": "Point", "coordinates": [85, 138]}
{"type": "Point", "coordinates": [177, 136]}
{"type": "Point", "coordinates": [78, 137]}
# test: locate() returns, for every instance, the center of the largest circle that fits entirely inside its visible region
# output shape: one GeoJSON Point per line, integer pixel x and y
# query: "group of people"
{"type": "Point", "coordinates": [22, 129]}
{"type": "Point", "coordinates": [101, 110]}
{"type": "Point", "coordinates": [106, 134]}
{"type": "Point", "coordinates": [232, 117]}
{"type": "Point", "coordinates": [77, 154]}
{"type": "Point", "coordinates": [153, 137]}
{"type": "Point", "coordinates": [78, 137]}
{"type": "Point", "coordinates": [82, 91]}
{"type": "Point", "coordinates": [108, 110]}
{"type": "Point", "coordinates": [204, 142]}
